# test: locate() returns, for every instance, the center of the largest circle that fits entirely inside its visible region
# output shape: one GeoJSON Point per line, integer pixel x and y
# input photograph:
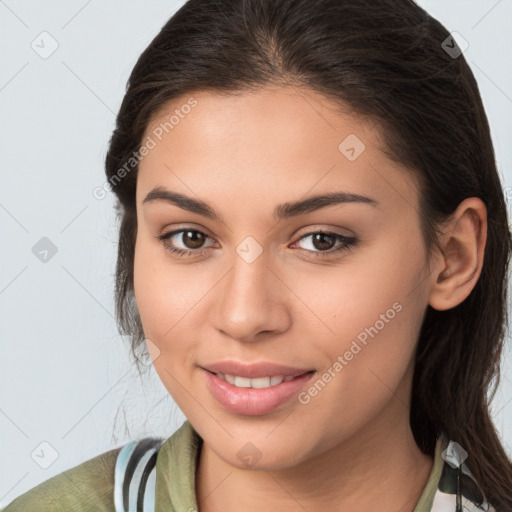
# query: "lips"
{"type": "Point", "coordinates": [254, 370]}
{"type": "Point", "coordinates": [250, 401]}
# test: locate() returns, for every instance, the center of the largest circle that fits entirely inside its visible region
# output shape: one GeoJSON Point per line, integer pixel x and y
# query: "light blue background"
{"type": "Point", "coordinates": [64, 370]}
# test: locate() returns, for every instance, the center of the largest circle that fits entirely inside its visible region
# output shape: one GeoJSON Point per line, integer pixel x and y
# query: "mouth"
{"type": "Point", "coordinates": [259, 382]}
{"type": "Point", "coordinates": [254, 396]}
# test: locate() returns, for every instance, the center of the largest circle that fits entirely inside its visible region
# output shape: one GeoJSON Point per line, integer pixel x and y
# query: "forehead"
{"type": "Point", "coordinates": [281, 114]}
{"type": "Point", "coordinates": [272, 141]}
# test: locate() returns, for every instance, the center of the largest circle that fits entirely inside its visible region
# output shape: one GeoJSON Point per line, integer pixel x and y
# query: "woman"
{"type": "Point", "coordinates": [313, 248]}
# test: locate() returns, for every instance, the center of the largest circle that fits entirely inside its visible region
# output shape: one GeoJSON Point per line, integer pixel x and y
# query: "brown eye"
{"type": "Point", "coordinates": [193, 239]}
{"type": "Point", "coordinates": [323, 241]}
{"type": "Point", "coordinates": [325, 244]}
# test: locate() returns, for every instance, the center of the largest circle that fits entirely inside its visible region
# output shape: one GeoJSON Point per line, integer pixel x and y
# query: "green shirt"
{"type": "Point", "coordinates": [90, 485]}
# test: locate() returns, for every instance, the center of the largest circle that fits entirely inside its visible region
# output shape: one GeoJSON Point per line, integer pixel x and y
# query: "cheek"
{"type": "Point", "coordinates": [146, 286]}
{"type": "Point", "coordinates": [365, 287]}
{"type": "Point", "coordinates": [373, 306]}
{"type": "Point", "coordinates": [160, 307]}
{"type": "Point", "coordinates": [160, 310]}
{"type": "Point", "coordinates": [385, 305]}
{"type": "Point", "coordinates": [167, 297]}
{"type": "Point", "coordinates": [164, 293]}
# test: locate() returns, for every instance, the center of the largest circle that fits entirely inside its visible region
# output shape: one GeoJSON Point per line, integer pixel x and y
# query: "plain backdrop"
{"type": "Point", "coordinates": [68, 388]}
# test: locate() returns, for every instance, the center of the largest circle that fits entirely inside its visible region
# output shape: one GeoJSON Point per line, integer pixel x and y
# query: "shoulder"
{"type": "Point", "coordinates": [87, 486]}
{"type": "Point", "coordinates": [93, 484]}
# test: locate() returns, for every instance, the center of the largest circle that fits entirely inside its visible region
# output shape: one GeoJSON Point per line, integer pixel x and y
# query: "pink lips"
{"type": "Point", "coordinates": [254, 401]}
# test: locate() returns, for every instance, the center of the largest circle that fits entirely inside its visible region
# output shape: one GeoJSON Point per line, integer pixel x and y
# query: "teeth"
{"type": "Point", "coordinates": [260, 382]}
{"type": "Point", "coordinates": [226, 377]}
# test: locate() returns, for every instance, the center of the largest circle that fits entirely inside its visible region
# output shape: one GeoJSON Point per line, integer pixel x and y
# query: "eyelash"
{"type": "Point", "coordinates": [348, 243]}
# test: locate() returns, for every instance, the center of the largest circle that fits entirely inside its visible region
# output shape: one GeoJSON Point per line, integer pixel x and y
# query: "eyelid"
{"type": "Point", "coordinates": [298, 236]}
{"type": "Point", "coordinates": [334, 230]}
{"type": "Point", "coordinates": [186, 227]}
{"type": "Point", "coordinates": [167, 236]}
{"type": "Point", "coordinates": [347, 242]}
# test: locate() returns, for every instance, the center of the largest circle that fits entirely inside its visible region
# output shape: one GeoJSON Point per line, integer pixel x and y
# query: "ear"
{"type": "Point", "coordinates": [460, 265]}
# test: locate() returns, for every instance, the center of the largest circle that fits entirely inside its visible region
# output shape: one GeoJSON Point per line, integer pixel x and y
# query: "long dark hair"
{"type": "Point", "coordinates": [391, 62]}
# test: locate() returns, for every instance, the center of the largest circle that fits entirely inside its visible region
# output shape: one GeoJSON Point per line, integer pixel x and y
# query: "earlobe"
{"type": "Point", "coordinates": [460, 264]}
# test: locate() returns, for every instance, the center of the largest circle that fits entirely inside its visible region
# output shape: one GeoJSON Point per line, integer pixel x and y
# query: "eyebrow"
{"type": "Point", "coordinates": [282, 211]}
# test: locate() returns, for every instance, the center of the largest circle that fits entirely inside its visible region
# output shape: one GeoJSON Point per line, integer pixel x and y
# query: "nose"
{"type": "Point", "coordinates": [251, 301]}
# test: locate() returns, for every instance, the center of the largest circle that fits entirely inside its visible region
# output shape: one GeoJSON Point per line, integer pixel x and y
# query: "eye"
{"type": "Point", "coordinates": [192, 239]}
{"type": "Point", "coordinates": [323, 243]}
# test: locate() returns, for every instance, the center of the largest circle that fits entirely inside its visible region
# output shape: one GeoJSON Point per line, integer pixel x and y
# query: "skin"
{"type": "Point", "coordinates": [351, 447]}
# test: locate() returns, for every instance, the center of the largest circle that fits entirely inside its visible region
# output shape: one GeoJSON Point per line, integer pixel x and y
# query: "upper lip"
{"type": "Point", "coordinates": [254, 370]}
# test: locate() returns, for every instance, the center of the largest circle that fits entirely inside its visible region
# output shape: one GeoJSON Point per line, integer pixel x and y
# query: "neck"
{"type": "Point", "coordinates": [379, 468]}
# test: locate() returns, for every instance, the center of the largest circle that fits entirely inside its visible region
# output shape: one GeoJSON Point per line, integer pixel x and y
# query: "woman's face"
{"type": "Point", "coordinates": [336, 287]}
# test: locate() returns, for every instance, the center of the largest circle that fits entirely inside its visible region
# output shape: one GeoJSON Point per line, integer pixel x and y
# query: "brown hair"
{"type": "Point", "coordinates": [388, 61]}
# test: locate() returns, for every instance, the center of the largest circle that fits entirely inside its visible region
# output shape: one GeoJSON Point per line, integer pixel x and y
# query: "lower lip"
{"type": "Point", "coordinates": [253, 401]}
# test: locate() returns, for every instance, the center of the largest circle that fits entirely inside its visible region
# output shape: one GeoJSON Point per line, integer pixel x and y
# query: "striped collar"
{"type": "Point", "coordinates": [153, 471]}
